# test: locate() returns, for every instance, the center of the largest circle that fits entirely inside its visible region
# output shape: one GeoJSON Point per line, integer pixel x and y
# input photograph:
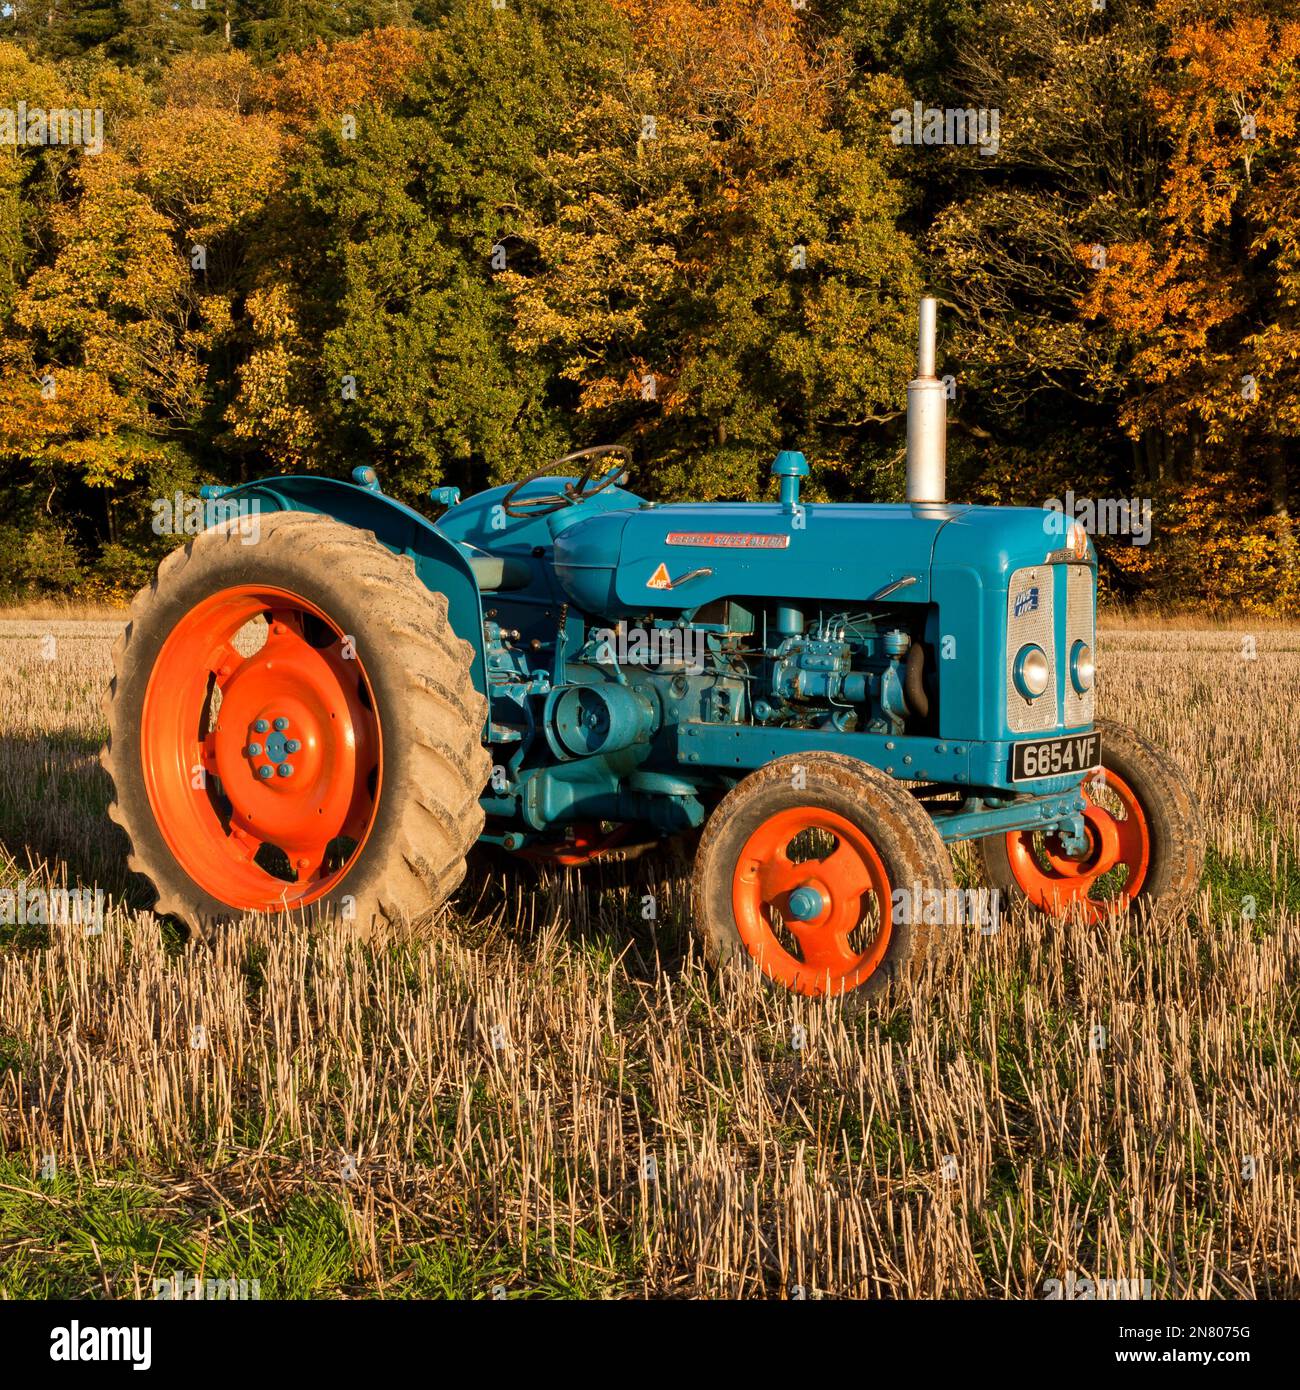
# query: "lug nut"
{"type": "Point", "coordinates": [291, 745]}
{"type": "Point", "coordinates": [281, 724]}
{"type": "Point", "coordinates": [264, 773]}
{"type": "Point", "coordinates": [286, 769]}
{"type": "Point", "coordinates": [253, 749]}
{"type": "Point", "coordinates": [260, 725]}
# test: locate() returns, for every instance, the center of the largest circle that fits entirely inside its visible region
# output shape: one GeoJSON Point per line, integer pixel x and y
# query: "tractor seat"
{"type": "Point", "coordinates": [498, 573]}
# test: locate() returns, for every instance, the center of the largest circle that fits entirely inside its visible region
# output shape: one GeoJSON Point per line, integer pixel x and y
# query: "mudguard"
{"type": "Point", "coordinates": [443, 567]}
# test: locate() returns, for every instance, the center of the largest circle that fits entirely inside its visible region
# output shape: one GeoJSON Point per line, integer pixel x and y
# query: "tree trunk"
{"type": "Point", "coordinates": [1276, 474]}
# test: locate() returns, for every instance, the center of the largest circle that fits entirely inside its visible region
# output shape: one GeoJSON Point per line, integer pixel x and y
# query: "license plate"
{"type": "Point", "coordinates": [1055, 757]}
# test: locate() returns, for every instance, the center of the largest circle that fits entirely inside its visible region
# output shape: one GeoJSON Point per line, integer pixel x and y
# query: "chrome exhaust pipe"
{"type": "Point", "coordinates": [927, 419]}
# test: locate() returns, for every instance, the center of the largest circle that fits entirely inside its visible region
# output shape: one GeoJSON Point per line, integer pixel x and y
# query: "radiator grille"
{"type": "Point", "coordinates": [1030, 618]}
{"type": "Point", "coordinates": [1080, 625]}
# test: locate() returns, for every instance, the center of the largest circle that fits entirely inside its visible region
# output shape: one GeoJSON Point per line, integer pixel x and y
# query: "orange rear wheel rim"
{"type": "Point", "coordinates": [1056, 882]}
{"type": "Point", "coordinates": [214, 770]}
{"type": "Point", "coordinates": [825, 903]}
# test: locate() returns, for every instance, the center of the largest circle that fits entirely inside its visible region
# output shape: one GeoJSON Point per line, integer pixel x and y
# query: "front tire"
{"type": "Point", "coordinates": [292, 725]}
{"type": "Point", "coordinates": [799, 867]}
{"type": "Point", "coordinates": [1146, 839]}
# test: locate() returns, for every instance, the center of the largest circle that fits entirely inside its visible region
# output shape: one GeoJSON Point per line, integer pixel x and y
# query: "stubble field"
{"type": "Point", "coordinates": [548, 1095]}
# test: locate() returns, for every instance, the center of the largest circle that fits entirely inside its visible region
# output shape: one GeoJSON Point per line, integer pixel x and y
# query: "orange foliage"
{"type": "Point", "coordinates": [743, 59]}
{"type": "Point", "coordinates": [327, 80]}
{"type": "Point", "coordinates": [1224, 254]}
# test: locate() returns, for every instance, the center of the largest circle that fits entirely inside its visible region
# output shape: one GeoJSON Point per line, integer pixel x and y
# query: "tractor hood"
{"type": "Point", "coordinates": [679, 557]}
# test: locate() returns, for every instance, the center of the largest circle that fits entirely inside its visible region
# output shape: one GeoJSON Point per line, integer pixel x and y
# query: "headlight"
{"type": "Point", "coordinates": [1083, 670]}
{"type": "Point", "coordinates": [1032, 671]}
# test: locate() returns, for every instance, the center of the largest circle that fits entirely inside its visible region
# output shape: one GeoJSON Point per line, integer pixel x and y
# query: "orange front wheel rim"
{"type": "Point", "coordinates": [1110, 873]}
{"type": "Point", "coordinates": [261, 748]}
{"type": "Point", "coordinates": [811, 898]}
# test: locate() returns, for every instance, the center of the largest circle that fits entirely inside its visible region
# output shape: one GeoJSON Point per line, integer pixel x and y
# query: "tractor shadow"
{"type": "Point", "coordinates": [54, 799]}
{"type": "Point", "coordinates": [54, 826]}
{"type": "Point", "coordinates": [637, 909]}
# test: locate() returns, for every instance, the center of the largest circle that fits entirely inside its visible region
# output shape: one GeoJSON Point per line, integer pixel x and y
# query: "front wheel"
{"type": "Point", "coordinates": [801, 867]}
{"type": "Point", "coordinates": [1146, 842]}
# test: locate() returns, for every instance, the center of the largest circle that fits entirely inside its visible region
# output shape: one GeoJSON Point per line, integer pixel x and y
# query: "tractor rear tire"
{"type": "Point", "coordinates": [1157, 829]}
{"type": "Point", "coordinates": [360, 663]}
{"type": "Point", "coordinates": [885, 845]}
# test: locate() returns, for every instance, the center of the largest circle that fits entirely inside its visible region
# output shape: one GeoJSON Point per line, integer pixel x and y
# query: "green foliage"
{"type": "Point", "coordinates": [267, 28]}
{"type": "Point", "coordinates": [36, 556]}
{"type": "Point", "coordinates": [402, 294]}
{"type": "Point", "coordinates": [133, 31]}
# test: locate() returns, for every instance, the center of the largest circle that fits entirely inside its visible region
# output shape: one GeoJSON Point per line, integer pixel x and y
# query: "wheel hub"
{"type": "Point", "coordinates": [279, 746]}
{"type": "Point", "coordinates": [807, 903]}
{"type": "Point", "coordinates": [286, 745]}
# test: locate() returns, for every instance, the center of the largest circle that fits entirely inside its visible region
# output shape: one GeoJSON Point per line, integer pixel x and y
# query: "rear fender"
{"type": "Point", "coordinates": [442, 567]}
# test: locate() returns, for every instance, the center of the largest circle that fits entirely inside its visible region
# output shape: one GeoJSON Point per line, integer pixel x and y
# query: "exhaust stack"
{"type": "Point", "coordinates": [927, 419]}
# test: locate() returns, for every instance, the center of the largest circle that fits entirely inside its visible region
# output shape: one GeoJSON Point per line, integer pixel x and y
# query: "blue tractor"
{"type": "Point", "coordinates": [324, 700]}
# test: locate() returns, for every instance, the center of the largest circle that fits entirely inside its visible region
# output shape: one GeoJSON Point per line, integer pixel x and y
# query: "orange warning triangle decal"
{"type": "Point", "coordinates": [659, 579]}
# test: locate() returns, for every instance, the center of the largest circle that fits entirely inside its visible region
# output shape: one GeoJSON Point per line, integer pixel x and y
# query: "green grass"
{"type": "Point", "coordinates": [1235, 880]}
{"type": "Point", "coordinates": [78, 1236]}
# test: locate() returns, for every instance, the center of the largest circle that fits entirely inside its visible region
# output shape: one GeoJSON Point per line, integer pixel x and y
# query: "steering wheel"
{"type": "Point", "coordinates": [587, 484]}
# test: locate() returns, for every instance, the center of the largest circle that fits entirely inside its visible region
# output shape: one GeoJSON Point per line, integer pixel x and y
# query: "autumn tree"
{"type": "Point", "coordinates": [1076, 162]}
{"type": "Point", "coordinates": [135, 31]}
{"type": "Point", "coordinates": [407, 209]}
{"type": "Point", "coordinates": [472, 238]}
{"type": "Point", "coordinates": [36, 544]}
{"type": "Point", "coordinates": [1204, 301]}
{"type": "Point", "coordinates": [114, 335]}
{"type": "Point", "coordinates": [720, 271]}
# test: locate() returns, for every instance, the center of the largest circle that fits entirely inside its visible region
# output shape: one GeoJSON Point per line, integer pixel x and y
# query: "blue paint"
{"type": "Point", "coordinates": [804, 904]}
{"type": "Point", "coordinates": [794, 655]}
